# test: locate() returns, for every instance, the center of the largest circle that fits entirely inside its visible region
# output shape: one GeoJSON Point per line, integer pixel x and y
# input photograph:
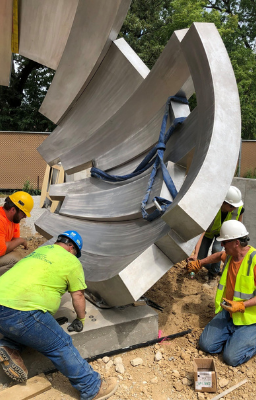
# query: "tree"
{"type": "Point", "coordinates": [245, 12]}
{"type": "Point", "coordinates": [148, 26]}
{"type": "Point", "coordinates": [20, 102]}
{"type": "Point", "coordinates": [144, 28]}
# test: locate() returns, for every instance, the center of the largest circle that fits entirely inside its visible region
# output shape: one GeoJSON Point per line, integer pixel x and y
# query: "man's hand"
{"type": "Point", "coordinates": [193, 266]}
{"type": "Point", "coordinates": [77, 325]}
{"type": "Point", "coordinates": [191, 258]}
{"type": "Point", "coordinates": [233, 306]}
{"type": "Point", "coordinates": [15, 242]}
{"type": "Point", "coordinates": [25, 244]}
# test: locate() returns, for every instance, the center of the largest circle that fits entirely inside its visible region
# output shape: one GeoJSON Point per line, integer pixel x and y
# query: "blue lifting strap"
{"type": "Point", "coordinates": [155, 158]}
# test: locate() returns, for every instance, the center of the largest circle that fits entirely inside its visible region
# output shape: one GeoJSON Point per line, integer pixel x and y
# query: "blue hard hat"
{"type": "Point", "coordinates": [76, 239]}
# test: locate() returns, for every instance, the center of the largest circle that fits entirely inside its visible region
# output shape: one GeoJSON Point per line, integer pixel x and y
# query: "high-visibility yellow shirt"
{"type": "Point", "coordinates": [38, 281]}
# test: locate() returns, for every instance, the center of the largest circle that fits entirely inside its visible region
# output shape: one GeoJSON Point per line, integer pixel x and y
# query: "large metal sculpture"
{"type": "Point", "coordinates": [109, 107]}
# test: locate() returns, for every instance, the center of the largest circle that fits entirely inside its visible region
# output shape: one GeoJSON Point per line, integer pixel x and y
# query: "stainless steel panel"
{"type": "Point", "coordinates": [109, 239]}
{"type": "Point", "coordinates": [96, 25]}
{"type": "Point", "coordinates": [118, 76]}
{"type": "Point", "coordinates": [140, 141]}
{"type": "Point", "coordinates": [122, 202]}
{"type": "Point", "coordinates": [140, 116]}
{"type": "Point", "coordinates": [174, 247]}
{"type": "Point", "coordinates": [44, 27]}
{"type": "Point", "coordinates": [92, 185]}
{"type": "Point", "coordinates": [5, 41]}
{"type": "Point", "coordinates": [134, 280]}
{"type": "Point", "coordinates": [218, 135]}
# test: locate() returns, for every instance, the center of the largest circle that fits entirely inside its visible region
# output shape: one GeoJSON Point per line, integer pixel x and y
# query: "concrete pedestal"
{"type": "Point", "coordinates": [104, 330]}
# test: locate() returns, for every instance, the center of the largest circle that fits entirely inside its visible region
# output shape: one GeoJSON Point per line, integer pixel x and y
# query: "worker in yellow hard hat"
{"type": "Point", "coordinates": [16, 207]}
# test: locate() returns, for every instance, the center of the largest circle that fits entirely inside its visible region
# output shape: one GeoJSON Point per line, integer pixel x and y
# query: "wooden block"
{"type": "Point", "coordinates": [28, 390]}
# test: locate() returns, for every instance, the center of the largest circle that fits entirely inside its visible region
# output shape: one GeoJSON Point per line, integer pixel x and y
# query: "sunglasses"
{"type": "Point", "coordinates": [230, 205]}
{"type": "Point", "coordinates": [227, 241]}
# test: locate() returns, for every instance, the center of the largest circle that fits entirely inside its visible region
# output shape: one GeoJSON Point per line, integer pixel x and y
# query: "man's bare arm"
{"type": "Point", "coordinates": [250, 303]}
{"type": "Point", "coordinates": [15, 243]}
{"type": "Point", "coordinates": [78, 301]}
{"type": "Point", "coordinates": [213, 258]}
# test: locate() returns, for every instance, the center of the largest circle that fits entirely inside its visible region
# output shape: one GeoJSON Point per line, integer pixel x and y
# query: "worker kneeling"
{"type": "Point", "coordinates": [30, 293]}
{"type": "Point", "coordinates": [16, 207]}
{"type": "Point", "coordinates": [233, 329]}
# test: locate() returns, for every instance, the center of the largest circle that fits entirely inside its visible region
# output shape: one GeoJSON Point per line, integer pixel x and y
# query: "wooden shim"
{"type": "Point", "coordinates": [49, 179]}
{"type": "Point", "coordinates": [59, 179]}
{"type": "Point", "coordinates": [28, 390]}
{"type": "Point", "coordinates": [219, 396]}
{"type": "Point", "coordinates": [45, 185]}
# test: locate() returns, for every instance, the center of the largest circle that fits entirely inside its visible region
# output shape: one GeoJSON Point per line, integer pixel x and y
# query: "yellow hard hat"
{"type": "Point", "coordinates": [23, 201]}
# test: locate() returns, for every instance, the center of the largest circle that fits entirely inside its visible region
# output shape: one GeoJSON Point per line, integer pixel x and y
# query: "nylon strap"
{"type": "Point", "coordinates": [155, 158]}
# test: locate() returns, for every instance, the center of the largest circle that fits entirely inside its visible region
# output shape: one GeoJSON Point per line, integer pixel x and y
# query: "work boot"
{"type": "Point", "coordinates": [12, 364]}
{"type": "Point", "coordinates": [107, 388]}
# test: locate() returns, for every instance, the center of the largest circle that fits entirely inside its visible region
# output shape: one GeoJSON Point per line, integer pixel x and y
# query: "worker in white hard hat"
{"type": "Point", "coordinates": [16, 207]}
{"type": "Point", "coordinates": [231, 209]}
{"type": "Point", "coordinates": [233, 329]}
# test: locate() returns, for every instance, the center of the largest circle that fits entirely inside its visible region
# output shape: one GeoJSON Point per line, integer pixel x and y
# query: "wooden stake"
{"type": "Point", "coordinates": [229, 390]}
{"type": "Point", "coordinates": [27, 390]}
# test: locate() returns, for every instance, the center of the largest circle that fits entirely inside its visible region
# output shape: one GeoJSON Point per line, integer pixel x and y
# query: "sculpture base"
{"type": "Point", "coordinates": [105, 330]}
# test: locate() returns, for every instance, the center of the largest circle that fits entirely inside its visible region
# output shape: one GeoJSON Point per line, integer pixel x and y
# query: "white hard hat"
{"type": "Point", "coordinates": [232, 229]}
{"type": "Point", "coordinates": [234, 197]}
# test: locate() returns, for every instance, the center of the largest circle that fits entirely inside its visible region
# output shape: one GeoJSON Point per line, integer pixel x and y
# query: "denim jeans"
{"type": "Point", "coordinates": [213, 269]}
{"type": "Point", "coordinates": [40, 331]}
{"type": "Point", "coordinates": [238, 342]}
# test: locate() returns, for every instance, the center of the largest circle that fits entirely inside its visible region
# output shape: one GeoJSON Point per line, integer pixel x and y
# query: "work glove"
{"type": "Point", "coordinates": [233, 306]}
{"type": "Point", "coordinates": [77, 325]}
{"type": "Point", "coordinates": [193, 266]}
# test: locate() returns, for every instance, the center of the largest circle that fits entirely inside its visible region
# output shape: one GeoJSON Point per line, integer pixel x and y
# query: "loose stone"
{"type": "Point", "coordinates": [158, 356]}
{"type": "Point", "coordinates": [136, 361]}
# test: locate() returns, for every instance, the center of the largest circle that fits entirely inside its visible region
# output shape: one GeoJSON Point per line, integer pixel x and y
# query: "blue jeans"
{"type": "Point", "coordinates": [40, 331]}
{"type": "Point", "coordinates": [213, 269]}
{"type": "Point", "coordinates": [238, 342]}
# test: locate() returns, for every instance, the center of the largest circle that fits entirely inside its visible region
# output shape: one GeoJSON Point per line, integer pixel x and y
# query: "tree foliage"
{"type": "Point", "coordinates": [150, 24]}
{"type": "Point", "coordinates": [20, 102]}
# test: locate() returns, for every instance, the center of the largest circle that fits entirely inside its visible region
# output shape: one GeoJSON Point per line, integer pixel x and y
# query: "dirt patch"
{"type": "Point", "coordinates": [188, 304]}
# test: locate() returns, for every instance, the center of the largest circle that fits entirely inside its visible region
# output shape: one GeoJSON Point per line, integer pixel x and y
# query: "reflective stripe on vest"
{"type": "Point", "coordinates": [214, 228]}
{"type": "Point", "coordinates": [245, 281]}
{"type": "Point", "coordinates": [250, 262]}
{"type": "Point", "coordinates": [244, 296]}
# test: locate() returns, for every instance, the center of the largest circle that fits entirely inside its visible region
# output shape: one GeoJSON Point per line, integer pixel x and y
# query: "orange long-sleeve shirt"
{"type": "Point", "coordinates": [8, 231]}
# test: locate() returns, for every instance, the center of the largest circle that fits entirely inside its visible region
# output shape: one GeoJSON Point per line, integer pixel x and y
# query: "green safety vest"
{"type": "Point", "coordinates": [245, 288]}
{"type": "Point", "coordinates": [214, 228]}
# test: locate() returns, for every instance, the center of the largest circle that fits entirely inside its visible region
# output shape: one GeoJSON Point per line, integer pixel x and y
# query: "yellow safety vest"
{"type": "Point", "coordinates": [245, 288]}
{"type": "Point", "coordinates": [214, 228]}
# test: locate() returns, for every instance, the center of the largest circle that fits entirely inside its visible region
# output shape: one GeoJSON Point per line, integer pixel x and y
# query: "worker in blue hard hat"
{"type": "Point", "coordinates": [30, 294]}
